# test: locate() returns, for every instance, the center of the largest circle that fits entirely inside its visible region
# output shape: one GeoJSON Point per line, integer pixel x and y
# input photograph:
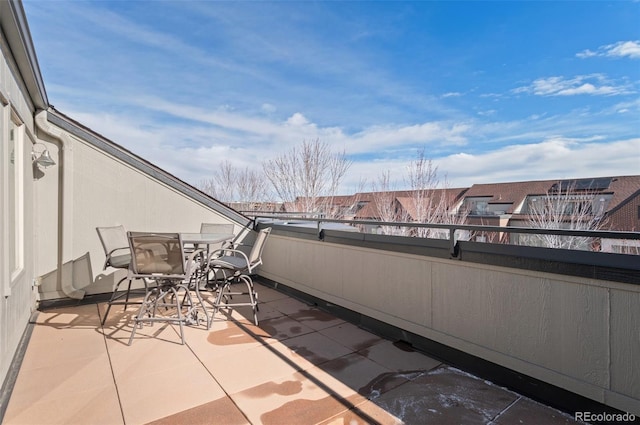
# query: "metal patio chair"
{"type": "Point", "coordinates": [231, 265]}
{"type": "Point", "coordinates": [117, 255]}
{"type": "Point", "coordinates": [160, 257]}
{"type": "Point", "coordinates": [216, 228]}
{"type": "Point", "coordinates": [226, 228]}
{"type": "Point", "coordinates": [222, 228]}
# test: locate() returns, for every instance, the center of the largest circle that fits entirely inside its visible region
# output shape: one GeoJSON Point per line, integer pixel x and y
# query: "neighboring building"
{"type": "Point", "coordinates": [616, 199]}
{"type": "Point", "coordinates": [486, 201]}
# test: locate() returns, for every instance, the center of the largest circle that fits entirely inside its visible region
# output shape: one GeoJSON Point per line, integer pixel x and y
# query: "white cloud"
{"type": "Point", "coordinates": [391, 138]}
{"type": "Point", "coordinates": [594, 84]}
{"type": "Point", "coordinates": [586, 54]}
{"type": "Point", "coordinates": [268, 108]}
{"type": "Point", "coordinates": [297, 120]}
{"type": "Point", "coordinates": [621, 49]}
{"type": "Point", "coordinates": [553, 158]}
{"type": "Point", "coordinates": [191, 150]}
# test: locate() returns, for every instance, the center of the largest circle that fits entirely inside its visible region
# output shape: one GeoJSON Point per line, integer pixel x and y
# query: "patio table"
{"type": "Point", "coordinates": [207, 239]}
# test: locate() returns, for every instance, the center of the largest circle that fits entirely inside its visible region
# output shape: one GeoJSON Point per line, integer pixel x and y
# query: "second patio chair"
{"type": "Point", "coordinates": [219, 228]}
{"type": "Point", "coordinates": [117, 255]}
{"type": "Point", "coordinates": [160, 257]}
{"type": "Point", "coordinates": [235, 266]}
{"type": "Point", "coordinates": [216, 228]}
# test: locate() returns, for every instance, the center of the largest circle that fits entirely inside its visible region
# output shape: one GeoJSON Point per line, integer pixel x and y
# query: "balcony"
{"type": "Point", "coordinates": [301, 365]}
{"type": "Point", "coordinates": [359, 327]}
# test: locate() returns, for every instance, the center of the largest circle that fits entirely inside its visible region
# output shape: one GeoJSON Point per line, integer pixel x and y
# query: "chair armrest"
{"type": "Point", "coordinates": [229, 253]}
{"type": "Point", "coordinates": [118, 258]}
{"type": "Point", "coordinates": [113, 251]}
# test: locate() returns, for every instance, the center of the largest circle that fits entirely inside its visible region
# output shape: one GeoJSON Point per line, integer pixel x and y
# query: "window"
{"type": "Point", "coordinates": [15, 196]}
{"type": "Point", "coordinates": [477, 205]}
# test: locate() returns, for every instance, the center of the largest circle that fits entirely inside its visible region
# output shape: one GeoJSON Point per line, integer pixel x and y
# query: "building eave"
{"type": "Point", "coordinates": [18, 36]}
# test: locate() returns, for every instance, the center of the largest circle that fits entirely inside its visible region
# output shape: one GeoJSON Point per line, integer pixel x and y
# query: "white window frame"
{"type": "Point", "coordinates": [12, 255]}
{"type": "Point", "coordinates": [4, 195]}
{"type": "Point", "coordinates": [17, 127]}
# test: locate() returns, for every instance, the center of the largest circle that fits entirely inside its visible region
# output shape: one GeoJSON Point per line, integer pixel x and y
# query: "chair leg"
{"type": "Point", "coordinates": [179, 308]}
{"type": "Point", "coordinates": [253, 297]}
{"type": "Point", "coordinates": [216, 305]}
{"type": "Point", "coordinates": [226, 292]}
{"type": "Point", "coordinates": [114, 297]}
{"type": "Point", "coordinates": [201, 302]}
{"type": "Point", "coordinates": [126, 300]}
{"type": "Point", "coordinates": [161, 294]}
{"type": "Point", "coordinates": [144, 307]}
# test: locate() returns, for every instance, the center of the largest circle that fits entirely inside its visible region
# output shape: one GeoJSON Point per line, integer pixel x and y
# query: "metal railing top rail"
{"type": "Point", "coordinates": [603, 234]}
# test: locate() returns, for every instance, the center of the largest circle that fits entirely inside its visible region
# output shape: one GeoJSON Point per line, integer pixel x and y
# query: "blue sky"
{"type": "Point", "coordinates": [492, 91]}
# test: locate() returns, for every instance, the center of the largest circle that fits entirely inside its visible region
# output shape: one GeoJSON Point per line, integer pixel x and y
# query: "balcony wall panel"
{"type": "Point", "coordinates": [554, 324]}
{"type": "Point", "coordinates": [398, 285]}
{"type": "Point", "coordinates": [625, 344]}
{"type": "Point", "coordinates": [331, 281]}
{"type": "Point", "coordinates": [577, 333]}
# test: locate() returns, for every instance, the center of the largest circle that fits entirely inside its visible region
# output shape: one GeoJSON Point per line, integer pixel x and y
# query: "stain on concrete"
{"type": "Point", "coordinates": [311, 411]}
{"type": "Point", "coordinates": [220, 411]}
{"type": "Point", "coordinates": [268, 389]}
{"type": "Point", "coordinates": [446, 395]}
{"type": "Point", "coordinates": [309, 355]}
{"type": "Point", "coordinates": [366, 344]}
{"type": "Point", "coordinates": [282, 327]}
{"type": "Point", "coordinates": [385, 382]}
{"type": "Point", "coordinates": [312, 314]}
{"type": "Point", "coordinates": [234, 335]}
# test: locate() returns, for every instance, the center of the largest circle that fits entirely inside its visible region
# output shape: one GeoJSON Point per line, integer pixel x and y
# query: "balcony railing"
{"type": "Point", "coordinates": [452, 232]}
{"type": "Point", "coordinates": [528, 309]}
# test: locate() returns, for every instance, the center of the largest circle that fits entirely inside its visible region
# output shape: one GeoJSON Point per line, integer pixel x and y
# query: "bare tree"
{"type": "Point", "coordinates": [422, 177]}
{"type": "Point", "coordinates": [226, 178]}
{"type": "Point", "coordinates": [431, 201]}
{"type": "Point", "coordinates": [209, 187]}
{"type": "Point", "coordinates": [240, 188]}
{"type": "Point", "coordinates": [426, 201]}
{"type": "Point", "coordinates": [386, 204]}
{"type": "Point", "coordinates": [223, 184]}
{"type": "Point", "coordinates": [306, 173]}
{"type": "Point", "coordinates": [564, 207]}
{"type": "Point", "coordinates": [250, 187]}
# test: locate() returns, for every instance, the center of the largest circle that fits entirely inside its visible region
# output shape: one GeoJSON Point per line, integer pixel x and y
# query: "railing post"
{"type": "Point", "coordinates": [452, 242]}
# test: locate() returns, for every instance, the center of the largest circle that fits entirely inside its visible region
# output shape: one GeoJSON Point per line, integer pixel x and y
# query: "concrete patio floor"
{"type": "Point", "coordinates": [299, 366]}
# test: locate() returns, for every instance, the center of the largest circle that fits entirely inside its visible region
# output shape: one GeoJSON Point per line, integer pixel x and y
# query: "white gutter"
{"type": "Point", "coordinates": [64, 273]}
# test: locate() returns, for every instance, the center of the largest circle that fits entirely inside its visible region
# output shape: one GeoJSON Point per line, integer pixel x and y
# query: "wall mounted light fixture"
{"type": "Point", "coordinates": [42, 157]}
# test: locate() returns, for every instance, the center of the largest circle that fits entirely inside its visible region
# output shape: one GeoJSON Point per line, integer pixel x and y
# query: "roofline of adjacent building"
{"type": "Point", "coordinates": [624, 203]}
{"type": "Point", "coordinates": [18, 36]}
{"type": "Point", "coordinates": [97, 140]}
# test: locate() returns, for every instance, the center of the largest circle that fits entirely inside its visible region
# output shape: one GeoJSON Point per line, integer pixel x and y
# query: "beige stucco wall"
{"type": "Point", "coordinates": [90, 188]}
{"type": "Point", "coordinates": [579, 334]}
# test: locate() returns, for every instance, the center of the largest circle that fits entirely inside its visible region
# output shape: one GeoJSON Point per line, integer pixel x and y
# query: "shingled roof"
{"type": "Point", "coordinates": [514, 193]}
{"type": "Point", "coordinates": [510, 196]}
